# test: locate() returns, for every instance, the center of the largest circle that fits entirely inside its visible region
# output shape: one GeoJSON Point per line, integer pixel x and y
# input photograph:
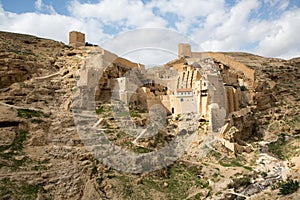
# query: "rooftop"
{"type": "Point", "coordinates": [184, 90]}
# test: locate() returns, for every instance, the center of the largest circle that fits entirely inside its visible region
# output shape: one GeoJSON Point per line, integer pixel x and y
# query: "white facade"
{"type": "Point", "coordinates": [123, 89]}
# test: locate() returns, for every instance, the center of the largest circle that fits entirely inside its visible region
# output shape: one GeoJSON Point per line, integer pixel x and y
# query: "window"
{"type": "Point", "coordinates": [181, 100]}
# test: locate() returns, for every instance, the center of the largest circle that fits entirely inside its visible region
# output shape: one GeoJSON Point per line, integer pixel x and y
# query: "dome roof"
{"type": "Point", "coordinates": [196, 65]}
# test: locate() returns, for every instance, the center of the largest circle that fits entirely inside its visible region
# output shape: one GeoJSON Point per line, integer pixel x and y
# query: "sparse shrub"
{"type": "Point", "coordinates": [135, 114]}
{"type": "Point", "coordinates": [37, 121]}
{"type": "Point", "coordinates": [27, 113]}
{"type": "Point", "coordinates": [22, 84]}
{"type": "Point", "coordinates": [74, 89]}
{"type": "Point", "coordinates": [19, 190]}
{"type": "Point", "coordinates": [104, 109]}
{"type": "Point", "coordinates": [243, 88]}
{"type": "Point", "coordinates": [38, 167]}
{"type": "Point", "coordinates": [15, 149]}
{"type": "Point", "coordinates": [141, 150]}
{"type": "Point", "coordinates": [99, 110]}
{"type": "Point", "coordinates": [177, 117]}
{"type": "Point", "coordinates": [276, 147]}
{"type": "Point", "coordinates": [94, 170]}
{"type": "Point", "coordinates": [264, 174]}
{"type": "Point", "coordinates": [289, 187]}
{"type": "Point", "coordinates": [90, 45]}
{"type": "Point", "coordinates": [240, 182]}
{"type": "Point", "coordinates": [18, 141]}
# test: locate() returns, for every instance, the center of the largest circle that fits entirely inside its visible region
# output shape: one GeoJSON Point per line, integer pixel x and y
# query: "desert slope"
{"type": "Point", "coordinates": [43, 157]}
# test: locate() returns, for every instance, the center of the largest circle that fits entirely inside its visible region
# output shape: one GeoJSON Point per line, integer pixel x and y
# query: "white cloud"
{"type": "Point", "coordinates": [230, 30]}
{"type": "Point", "coordinates": [190, 13]}
{"type": "Point", "coordinates": [283, 42]}
{"type": "Point", "coordinates": [281, 4]}
{"type": "Point", "coordinates": [41, 7]}
{"type": "Point", "coordinates": [188, 9]}
{"type": "Point", "coordinates": [215, 25]}
{"type": "Point", "coordinates": [38, 4]}
{"type": "Point", "coordinates": [238, 31]}
{"type": "Point", "coordinates": [53, 26]}
{"type": "Point", "coordinates": [148, 46]}
{"type": "Point", "coordinates": [118, 12]}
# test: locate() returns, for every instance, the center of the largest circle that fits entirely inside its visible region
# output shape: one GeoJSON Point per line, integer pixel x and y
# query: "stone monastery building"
{"type": "Point", "coordinates": [210, 85]}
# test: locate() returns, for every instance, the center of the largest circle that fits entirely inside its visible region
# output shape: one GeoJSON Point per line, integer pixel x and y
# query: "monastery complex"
{"type": "Point", "coordinates": [209, 85]}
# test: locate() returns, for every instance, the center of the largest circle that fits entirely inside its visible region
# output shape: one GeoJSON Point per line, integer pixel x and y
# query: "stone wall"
{"type": "Point", "coordinates": [232, 99]}
{"type": "Point", "coordinates": [123, 62]}
{"type": "Point", "coordinates": [184, 104]}
{"type": "Point", "coordinates": [152, 99]}
{"type": "Point", "coordinates": [240, 67]}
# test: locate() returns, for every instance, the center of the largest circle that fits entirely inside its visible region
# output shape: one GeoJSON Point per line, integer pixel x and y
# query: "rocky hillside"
{"type": "Point", "coordinates": [277, 92]}
{"type": "Point", "coordinates": [42, 156]}
{"type": "Point", "coordinates": [23, 57]}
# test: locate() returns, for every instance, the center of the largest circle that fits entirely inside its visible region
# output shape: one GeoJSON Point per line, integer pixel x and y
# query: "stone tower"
{"type": "Point", "coordinates": [76, 39]}
{"type": "Point", "coordinates": [184, 50]}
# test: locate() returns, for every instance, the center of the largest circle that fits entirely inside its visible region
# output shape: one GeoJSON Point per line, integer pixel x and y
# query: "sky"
{"type": "Point", "coordinates": [265, 27]}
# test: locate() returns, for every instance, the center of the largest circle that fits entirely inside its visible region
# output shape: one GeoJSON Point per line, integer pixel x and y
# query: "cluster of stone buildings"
{"type": "Point", "coordinates": [210, 85]}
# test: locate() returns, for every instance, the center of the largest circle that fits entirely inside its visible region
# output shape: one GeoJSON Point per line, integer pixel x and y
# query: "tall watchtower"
{"type": "Point", "coordinates": [184, 50]}
{"type": "Point", "coordinates": [76, 39]}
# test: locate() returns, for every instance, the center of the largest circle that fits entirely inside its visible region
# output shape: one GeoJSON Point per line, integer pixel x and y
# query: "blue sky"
{"type": "Point", "coordinates": [265, 27]}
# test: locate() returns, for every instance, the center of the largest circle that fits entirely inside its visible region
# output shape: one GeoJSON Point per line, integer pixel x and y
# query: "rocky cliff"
{"type": "Point", "coordinates": [42, 156]}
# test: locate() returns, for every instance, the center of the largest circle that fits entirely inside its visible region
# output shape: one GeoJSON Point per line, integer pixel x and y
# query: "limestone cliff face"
{"type": "Point", "coordinates": [23, 57]}
{"type": "Point", "coordinates": [36, 124]}
{"type": "Point", "coordinates": [42, 156]}
{"type": "Point", "coordinates": [276, 94]}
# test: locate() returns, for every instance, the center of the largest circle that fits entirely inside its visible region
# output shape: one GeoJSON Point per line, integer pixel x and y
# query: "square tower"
{"type": "Point", "coordinates": [76, 39]}
{"type": "Point", "coordinates": [184, 50]}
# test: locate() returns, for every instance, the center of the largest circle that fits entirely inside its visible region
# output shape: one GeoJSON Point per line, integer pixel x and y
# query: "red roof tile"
{"type": "Point", "coordinates": [184, 90]}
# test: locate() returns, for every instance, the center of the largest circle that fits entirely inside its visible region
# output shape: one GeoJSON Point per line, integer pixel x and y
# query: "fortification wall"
{"type": "Point", "coordinates": [201, 55]}
{"type": "Point", "coordinates": [249, 73]}
{"type": "Point", "coordinates": [123, 62]}
{"type": "Point", "coordinates": [108, 58]}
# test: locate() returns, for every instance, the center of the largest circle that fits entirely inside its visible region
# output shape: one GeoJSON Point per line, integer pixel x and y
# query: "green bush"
{"type": "Point", "coordinates": [289, 187]}
{"type": "Point", "coordinates": [99, 110]}
{"type": "Point", "coordinates": [243, 88]}
{"type": "Point", "coordinates": [37, 121]}
{"type": "Point", "coordinates": [240, 182]}
{"type": "Point", "coordinates": [276, 147]}
{"type": "Point", "coordinates": [135, 113]}
{"type": "Point", "coordinates": [27, 113]}
{"type": "Point", "coordinates": [103, 109]}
